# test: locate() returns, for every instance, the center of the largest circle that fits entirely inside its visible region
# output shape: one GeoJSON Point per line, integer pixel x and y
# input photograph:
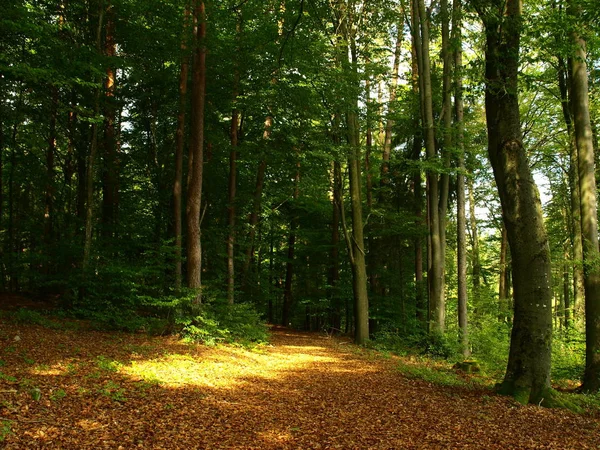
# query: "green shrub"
{"type": "Point", "coordinates": [218, 323]}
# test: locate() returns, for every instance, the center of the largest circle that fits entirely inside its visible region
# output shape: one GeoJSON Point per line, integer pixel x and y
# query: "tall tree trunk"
{"type": "Point", "coordinates": [436, 272]}
{"type": "Point", "coordinates": [527, 375]}
{"type": "Point", "coordinates": [356, 243]}
{"type": "Point", "coordinates": [589, 212]}
{"type": "Point", "coordinates": [234, 136]}
{"type": "Point", "coordinates": [389, 123]}
{"type": "Point", "coordinates": [256, 203]}
{"type": "Point", "coordinates": [91, 167]}
{"type": "Point", "coordinates": [575, 212]}
{"type": "Point", "coordinates": [289, 265]}
{"type": "Point", "coordinates": [461, 231]}
{"type": "Point", "coordinates": [109, 179]}
{"type": "Point", "coordinates": [49, 195]}
{"type": "Point", "coordinates": [179, 146]}
{"type": "Point", "coordinates": [196, 154]}
{"type": "Point", "coordinates": [334, 276]}
{"type": "Point", "coordinates": [420, 301]}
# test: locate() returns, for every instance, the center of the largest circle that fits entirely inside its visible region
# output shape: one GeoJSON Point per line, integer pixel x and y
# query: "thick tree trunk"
{"type": "Point", "coordinates": [196, 156]}
{"type": "Point", "coordinates": [528, 373]}
{"type": "Point", "coordinates": [589, 213]}
{"type": "Point", "coordinates": [179, 147]}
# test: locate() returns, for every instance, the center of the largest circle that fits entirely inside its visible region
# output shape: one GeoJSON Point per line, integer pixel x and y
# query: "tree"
{"type": "Point", "coordinates": [527, 376]}
{"type": "Point", "coordinates": [589, 210]}
{"type": "Point", "coordinates": [196, 157]}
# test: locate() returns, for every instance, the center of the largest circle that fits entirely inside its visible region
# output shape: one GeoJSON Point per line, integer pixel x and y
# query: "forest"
{"type": "Point", "coordinates": [417, 175]}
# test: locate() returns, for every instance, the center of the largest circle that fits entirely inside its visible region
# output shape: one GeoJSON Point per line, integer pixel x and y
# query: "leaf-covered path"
{"type": "Point", "coordinates": [74, 390]}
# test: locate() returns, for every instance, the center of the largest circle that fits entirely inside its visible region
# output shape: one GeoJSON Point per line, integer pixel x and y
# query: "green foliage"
{"type": "Point", "coordinates": [114, 391]}
{"type": "Point", "coordinates": [9, 378]}
{"type": "Point", "coordinates": [57, 395]}
{"type": "Point", "coordinates": [32, 317]}
{"type": "Point", "coordinates": [434, 375]}
{"type": "Point", "coordinates": [239, 323]}
{"type": "Point", "coordinates": [108, 365]}
{"type": "Point", "coordinates": [568, 356]}
{"type": "Point", "coordinates": [490, 344]}
{"type": "Point", "coordinates": [5, 429]}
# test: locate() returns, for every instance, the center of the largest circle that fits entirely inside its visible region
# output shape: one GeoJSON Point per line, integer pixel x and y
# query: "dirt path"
{"type": "Point", "coordinates": [102, 390]}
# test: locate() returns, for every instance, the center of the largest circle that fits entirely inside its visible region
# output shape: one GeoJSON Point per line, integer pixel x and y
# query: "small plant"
{"type": "Point", "coordinates": [434, 376]}
{"type": "Point", "coordinates": [58, 395]}
{"type": "Point", "coordinates": [28, 360]}
{"type": "Point", "coordinates": [36, 394]}
{"type": "Point", "coordinates": [8, 378]}
{"type": "Point", "coordinates": [113, 391]}
{"type": "Point", "coordinates": [107, 364]}
{"type": "Point", "coordinates": [5, 429]}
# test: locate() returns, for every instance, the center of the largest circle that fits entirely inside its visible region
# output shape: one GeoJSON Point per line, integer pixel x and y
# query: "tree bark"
{"type": "Point", "coordinates": [110, 174]}
{"type": "Point", "coordinates": [564, 83]}
{"type": "Point", "coordinates": [589, 212]}
{"type": "Point", "coordinates": [389, 123]}
{"type": "Point", "coordinates": [196, 154]}
{"type": "Point", "coordinates": [334, 276]}
{"type": "Point", "coordinates": [461, 231]}
{"type": "Point", "coordinates": [49, 195]}
{"type": "Point", "coordinates": [234, 137]}
{"type": "Point", "coordinates": [179, 146]}
{"type": "Point", "coordinates": [289, 265]}
{"type": "Point", "coordinates": [436, 272]}
{"type": "Point", "coordinates": [527, 375]}
{"type": "Point", "coordinates": [356, 243]}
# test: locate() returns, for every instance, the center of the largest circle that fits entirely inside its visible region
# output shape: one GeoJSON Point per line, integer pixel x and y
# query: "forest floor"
{"type": "Point", "coordinates": [72, 389]}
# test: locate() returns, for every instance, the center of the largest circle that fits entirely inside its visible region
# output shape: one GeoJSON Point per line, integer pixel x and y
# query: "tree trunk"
{"type": "Point", "coordinates": [91, 167]}
{"type": "Point", "coordinates": [389, 123]}
{"type": "Point", "coordinates": [575, 211]}
{"type": "Point", "coordinates": [289, 265]}
{"type": "Point", "coordinates": [527, 376]}
{"type": "Point", "coordinates": [334, 276]}
{"type": "Point", "coordinates": [109, 179]}
{"type": "Point", "coordinates": [234, 136]}
{"type": "Point", "coordinates": [356, 244]}
{"type": "Point", "coordinates": [436, 272]}
{"type": "Point", "coordinates": [49, 195]}
{"type": "Point", "coordinates": [589, 213]}
{"type": "Point", "coordinates": [461, 231]}
{"type": "Point", "coordinates": [196, 155]}
{"type": "Point", "coordinates": [179, 146]}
